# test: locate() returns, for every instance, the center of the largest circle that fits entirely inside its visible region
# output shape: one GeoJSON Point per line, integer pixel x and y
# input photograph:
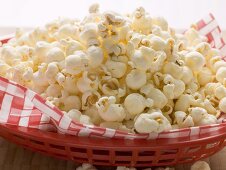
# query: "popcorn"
{"type": "Point", "coordinates": [109, 111]}
{"type": "Point", "coordinates": [69, 84]}
{"type": "Point", "coordinates": [71, 46]}
{"type": "Point", "coordinates": [183, 120]}
{"type": "Point", "coordinates": [89, 32]}
{"type": "Point", "coordinates": [200, 165]}
{"type": "Point", "coordinates": [9, 54]}
{"type": "Point", "coordinates": [117, 69]}
{"type": "Point", "coordinates": [184, 102]}
{"type": "Point", "coordinates": [136, 103]}
{"type": "Point", "coordinates": [156, 95]}
{"type": "Point", "coordinates": [71, 102]}
{"type": "Point", "coordinates": [177, 87]}
{"type": "Point", "coordinates": [95, 56]}
{"type": "Point", "coordinates": [86, 166]}
{"type": "Point", "coordinates": [54, 55]}
{"type": "Point", "coordinates": [86, 84]}
{"type": "Point", "coordinates": [51, 72]}
{"type": "Point", "coordinates": [127, 72]}
{"type": "Point", "coordinates": [153, 122]}
{"type": "Point", "coordinates": [222, 105]}
{"type": "Point", "coordinates": [53, 90]}
{"type": "Point", "coordinates": [174, 69]}
{"type": "Point", "coordinates": [221, 75]}
{"type": "Point", "coordinates": [67, 30]}
{"type": "Point", "coordinates": [195, 61]}
{"type": "Point", "coordinates": [205, 76]}
{"type": "Point", "coordinates": [124, 168]}
{"type": "Point", "coordinates": [75, 64]}
{"type": "Point", "coordinates": [89, 98]}
{"type": "Point", "coordinates": [136, 79]}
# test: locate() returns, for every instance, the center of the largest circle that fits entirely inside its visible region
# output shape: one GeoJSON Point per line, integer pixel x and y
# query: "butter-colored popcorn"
{"type": "Point", "coordinates": [183, 120]}
{"type": "Point", "coordinates": [143, 58]}
{"type": "Point", "coordinates": [89, 31]}
{"type": "Point", "coordinates": [200, 165]}
{"type": "Point", "coordinates": [193, 37]}
{"type": "Point", "coordinates": [128, 72]}
{"type": "Point", "coordinates": [210, 88]}
{"type": "Point", "coordinates": [115, 125]}
{"type": "Point", "coordinates": [197, 113]}
{"type": "Point", "coordinates": [136, 79]}
{"type": "Point", "coordinates": [222, 105]}
{"type": "Point", "coordinates": [136, 103]}
{"type": "Point", "coordinates": [193, 86]}
{"type": "Point", "coordinates": [184, 102]}
{"type": "Point", "coordinates": [178, 87]}
{"type": "Point", "coordinates": [195, 61]}
{"type": "Point", "coordinates": [187, 75]}
{"type": "Point", "coordinates": [71, 46]}
{"type": "Point", "coordinates": [207, 120]}
{"type": "Point", "coordinates": [86, 84]}
{"type": "Point", "coordinates": [109, 110]}
{"type": "Point", "coordinates": [67, 31]}
{"type": "Point", "coordinates": [40, 51]}
{"type": "Point", "coordinates": [158, 62]}
{"type": "Point", "coordinates": [221, 75]}
{"type": "Point", "coordinates": [95, 56]}
{"type": "Point", "coordinates": [205, 76]}
{"type": "Point", "coordinates": [111, 86]}
{"type": "Point", "coordinates": [74, 114]}
{"type": "Point", "coordinates": [84, 119]}
{"type": "Point", "coordinates": [117, 69]}
{"type": "Point", "coordinates": [218, 65]}
{"type": "Point", "coordinates": [212, 61]}
{"type": "Point", "coordinates": [158, 97]}
{"type": "Point", "coordinates": [220, 92]}
{"type": "Point", "coordinates": [89, 98]}
{"type": "Point", "coordinates": [174, 69]}
{"type": "Point", "coordinates": [71, 102]}
{"type": "Point", "coordinates": [9, 54]}
{"type": "Point", "coordinates": [69, 84]}
{"type": "Point", "coordinates": [142, 22]}
{"type": "Point", "coordinates": [51, 72]}
{"type": "Point", "coordinates": [153, 122]}
{"type": "Point", "coordinates": [210, 108]}
{"type": "Point", "coordinates": [203, 48]}
{"type": "Point", "coordinates": [76, 63]}
{"type": "Point", "coordinates": [161, 22]}
{"type": "Point", "coordinates": [4, 68]}
{"type": "Point", "coordinates": [53, 90]}
{"type": "Point", "coordinates": [157, 43]}
{"type": "Point", "coordinates": [40, 79]}
{"type": "Point", "coordinates": [54, 55]}
{"type": "Point", "coordinates": [93, 113]}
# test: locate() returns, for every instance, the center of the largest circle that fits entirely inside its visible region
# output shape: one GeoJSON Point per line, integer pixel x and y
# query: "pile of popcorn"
{"type": "Point", "coordinates": [199, 165]}
{"type": "Point", "coordinates": [128, 72]}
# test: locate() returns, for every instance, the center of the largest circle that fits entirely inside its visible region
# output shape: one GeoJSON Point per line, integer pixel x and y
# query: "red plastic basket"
{"type": "Point", "coordinates": [162, 151]}
{"type": "Point", "coordinates": [115, 152]}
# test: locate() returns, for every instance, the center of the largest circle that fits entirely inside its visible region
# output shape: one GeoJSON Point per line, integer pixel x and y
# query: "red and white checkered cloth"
{"type": "Point", "coordinates": [23, 107]}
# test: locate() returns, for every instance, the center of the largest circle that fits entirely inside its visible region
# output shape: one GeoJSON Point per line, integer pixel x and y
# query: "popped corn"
{"type": "Point", "coordinates": [127, 72]}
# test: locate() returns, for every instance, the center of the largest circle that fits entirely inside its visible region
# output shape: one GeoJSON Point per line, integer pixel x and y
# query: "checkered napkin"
{"type": "Point", "coordinates": [20, 106]}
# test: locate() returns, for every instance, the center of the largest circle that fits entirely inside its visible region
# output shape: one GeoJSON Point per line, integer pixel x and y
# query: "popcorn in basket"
{"type": "Point", "coordinates": [115, 76]}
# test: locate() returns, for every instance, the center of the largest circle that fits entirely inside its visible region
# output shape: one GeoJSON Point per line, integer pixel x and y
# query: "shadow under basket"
{"type": "Point", "coordinates": [117, 152]}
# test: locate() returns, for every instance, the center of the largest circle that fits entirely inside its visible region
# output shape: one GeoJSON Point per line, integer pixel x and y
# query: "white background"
{"type": "Point", "coordinates": [179, 13]}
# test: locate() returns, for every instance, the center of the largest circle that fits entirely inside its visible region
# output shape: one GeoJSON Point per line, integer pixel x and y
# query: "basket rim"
{"type": "Point", "coordinates": [54, 137]}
